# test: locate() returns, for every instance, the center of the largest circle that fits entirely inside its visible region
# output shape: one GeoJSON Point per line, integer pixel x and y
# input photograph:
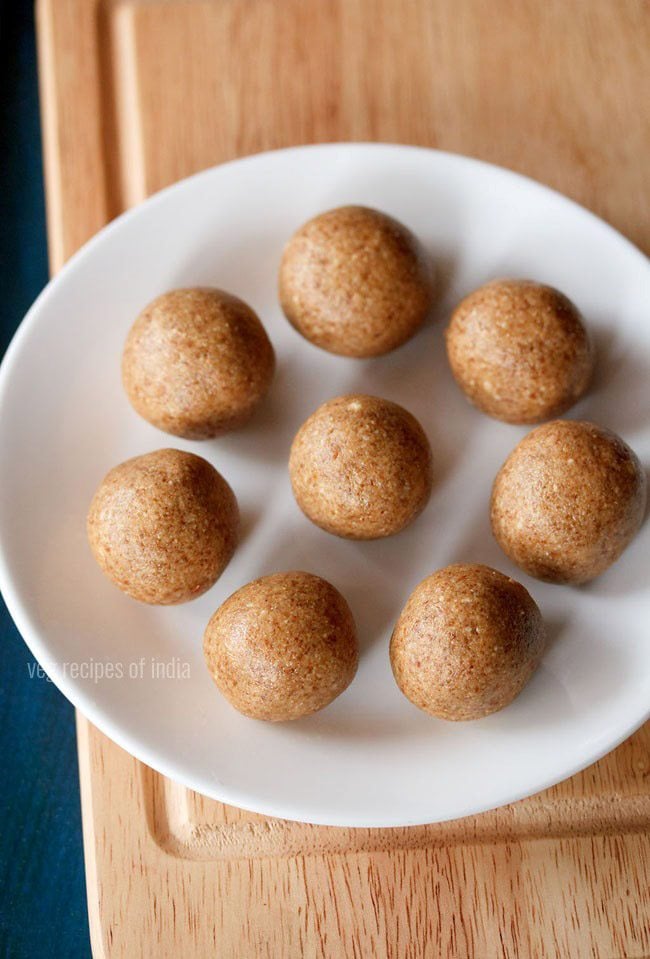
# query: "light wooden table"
{"type": "Point", "coordinates": [137, 93]}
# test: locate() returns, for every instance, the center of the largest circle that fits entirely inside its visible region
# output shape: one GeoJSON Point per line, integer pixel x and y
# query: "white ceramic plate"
{"type": "Point", "coordinates": [370, 759]}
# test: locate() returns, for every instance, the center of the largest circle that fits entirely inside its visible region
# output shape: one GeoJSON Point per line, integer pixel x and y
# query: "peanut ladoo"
{"type": "Point", "coordinates": [567, 501]}
{"type": "Point", "coordinates": [197, 363]}
{"type": "Point", "coordinates": [360, 467]}
{"type": "Point", "coordinates": [163, 526]}
{"type": "Point", "coordinates": [520, 351]}
{"type": "Point", "coordinates": [282, 647]}
{"type": "Point", "coordinates": [355, 282]}
{"type": "Point", "coordinates": [467, 642]}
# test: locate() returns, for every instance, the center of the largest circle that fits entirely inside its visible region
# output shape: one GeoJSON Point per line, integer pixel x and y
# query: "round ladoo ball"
{"type": "Point", "coordinates": [163, 526]}
{"type": "Point", "coordinates": [467, 642]}
{"type": "Point", "coordinates": [197, 363]}
{"type": "Point", "coordinates": [360, 467]}
{"type": "Point", "coordinates": [519, 351]}
{"type": "Point", "coordinates": [567, 501]}
{"type": "Point", "coordinates": [282, 647]}
{"type": "Point", "coordinates": [355, 282]}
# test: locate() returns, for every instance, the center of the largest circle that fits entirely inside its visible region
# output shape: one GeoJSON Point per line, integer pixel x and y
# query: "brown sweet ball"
{"type": "Point", "coordinates": [360, 467]}
{"type": "Point", "coordinates": [197, 363]}
{"type": "Point", "coordinates": [520, 351]}
{"type": "Point", "coordinates": [467, 642]}
{"type": "Point", "coordinates": [163, 526]}
{"type": "Point", "coordinates": [355, 282]}
{"type": "Point", "coordinates": [282, 647]}
{"type": "Point", "coordinates": [567, 501]}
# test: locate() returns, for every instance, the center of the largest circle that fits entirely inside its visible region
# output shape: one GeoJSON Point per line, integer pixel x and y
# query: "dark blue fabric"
{"type": "Point", "coordinates": [42, 894]}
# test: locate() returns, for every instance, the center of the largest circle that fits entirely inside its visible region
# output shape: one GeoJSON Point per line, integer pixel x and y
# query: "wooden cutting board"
{"type": "Point", "coordinates": [137, 93]}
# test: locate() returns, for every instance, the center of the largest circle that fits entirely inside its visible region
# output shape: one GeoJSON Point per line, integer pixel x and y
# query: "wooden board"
{"type": "Point", "coordinates": [137, 93]}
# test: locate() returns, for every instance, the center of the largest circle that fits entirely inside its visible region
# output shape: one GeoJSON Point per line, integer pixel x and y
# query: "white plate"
{"type": "Point", "coordinates": [370, 759]}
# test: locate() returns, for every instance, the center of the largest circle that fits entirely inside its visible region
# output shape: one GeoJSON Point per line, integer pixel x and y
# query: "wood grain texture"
{"type": "Point", "coordinates": [138, 94]}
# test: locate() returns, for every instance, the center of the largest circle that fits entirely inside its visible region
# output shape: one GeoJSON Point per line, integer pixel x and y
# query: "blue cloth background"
{"type": "Point", "coordinates": [42, 894]}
